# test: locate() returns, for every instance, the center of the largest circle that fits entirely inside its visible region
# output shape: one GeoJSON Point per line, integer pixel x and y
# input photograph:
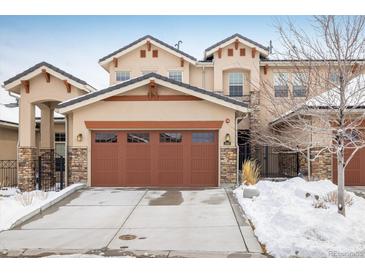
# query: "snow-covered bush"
{"type": "Point", "coordinates": [27, 198]}
{"type": "Point", "coordinates": [331, 197]}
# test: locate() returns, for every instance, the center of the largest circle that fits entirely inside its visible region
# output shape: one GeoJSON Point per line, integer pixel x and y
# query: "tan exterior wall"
{"type": "Point", "coordinates": [133, 63]}
{"type": "Point", "coordinates": [40, 91]}
{"type": "Point", "coordinates": [236, 62]}
{"type": "Point", "coordinates": [8, 143]}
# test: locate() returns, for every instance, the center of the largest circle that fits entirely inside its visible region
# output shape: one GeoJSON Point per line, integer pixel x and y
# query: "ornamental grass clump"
{"type": "Point", "coordinates": [250, 172]}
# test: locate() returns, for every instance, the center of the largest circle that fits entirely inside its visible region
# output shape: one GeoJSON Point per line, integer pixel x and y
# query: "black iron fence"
{"type": "Point", "coordinates": [50, 173]}
{"type": "Point", "coordinates": [8, 173]}
{"type": "Point", "coordinates": [275, 163]}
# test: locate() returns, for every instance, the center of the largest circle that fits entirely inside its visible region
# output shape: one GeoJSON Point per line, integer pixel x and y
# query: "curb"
{"type": "Point", "coordinates": [45, 206]}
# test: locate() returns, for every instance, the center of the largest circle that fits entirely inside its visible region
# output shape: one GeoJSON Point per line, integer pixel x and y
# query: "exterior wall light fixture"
{"type": "Point", "coordinates": [79, 137]}
{"type": "Point", "coordinates": [227, 140]}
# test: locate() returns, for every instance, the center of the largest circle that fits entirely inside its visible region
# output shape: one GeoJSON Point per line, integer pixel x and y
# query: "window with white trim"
{"type": "Point", "coordinates": [236, 80]}
{"type": "Point", "coordinates": [122, 76]}
{"type": "Point", "coordinates": [281, 86]}
{"type": "Point", "coordinates": [175, 75]}
{"type": "Point", "coordinates": [299, 84]}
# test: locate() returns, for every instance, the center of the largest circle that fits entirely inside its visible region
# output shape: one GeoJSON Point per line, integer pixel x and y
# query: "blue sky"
{"type": "Point", "coordinates": [75, 43]}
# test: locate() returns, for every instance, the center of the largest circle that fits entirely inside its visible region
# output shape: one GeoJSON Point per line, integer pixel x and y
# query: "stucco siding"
{"type": "Point", "coordinates": [8, 143]}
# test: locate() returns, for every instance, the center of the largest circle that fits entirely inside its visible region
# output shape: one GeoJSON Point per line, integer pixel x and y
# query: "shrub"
{"type": "Point", "coordinates": [331, 197]}
{"type": "Point", "coordinates": [250, 172]}
{"type": "Point", "coordinates": [25, 198]}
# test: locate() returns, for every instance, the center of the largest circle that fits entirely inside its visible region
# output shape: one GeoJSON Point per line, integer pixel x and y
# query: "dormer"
{"type": "Point", "coordinates": [146, 55]}
{"type": "Point", "coordinates": [236, 64]}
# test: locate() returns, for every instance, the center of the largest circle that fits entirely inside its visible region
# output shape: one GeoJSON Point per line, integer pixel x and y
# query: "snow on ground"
{"type": "Point", "coordinates": [12, 206]}
{"type": "Point", "coordinates": [287, 223]}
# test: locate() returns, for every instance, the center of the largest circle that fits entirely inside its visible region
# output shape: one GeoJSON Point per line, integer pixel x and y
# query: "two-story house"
{"type": "Point", "coordinates": [166, 119]}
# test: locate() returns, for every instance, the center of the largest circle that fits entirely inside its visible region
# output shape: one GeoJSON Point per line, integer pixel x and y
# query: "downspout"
{"type": "Point", "coordinates": [237, 121]}
{"type": "Point", "coordinates": [66, 151]}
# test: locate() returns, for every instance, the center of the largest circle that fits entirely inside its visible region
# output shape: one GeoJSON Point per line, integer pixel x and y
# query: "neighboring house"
{"type": "Point", "coordinates": [166, 120]}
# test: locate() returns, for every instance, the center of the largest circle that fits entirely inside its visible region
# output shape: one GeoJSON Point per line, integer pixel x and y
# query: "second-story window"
{"type": "Point", "coordinates": [175, 75]}
{"type": "Point", "coordinates": [236, 80]}
{"type": "Point", "coordinates": [281, 86]}
{"type": "Point", "coordinates": [299, 84]}
{"type": "Point", "coordinates": [122, 76]}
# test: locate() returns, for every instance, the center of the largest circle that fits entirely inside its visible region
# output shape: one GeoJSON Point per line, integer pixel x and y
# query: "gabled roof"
{"type": "Point", "coordinates": [143, 80]}
{"type": "Point", "coordinates": [76, 81]}
{"type": "Point", "coordinates": [141, 41]}
{"type": "Point", "coordinates": [262, 49]}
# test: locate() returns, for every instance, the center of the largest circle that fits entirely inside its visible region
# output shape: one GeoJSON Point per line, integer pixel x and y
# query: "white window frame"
{"type": "Point", "coordinates": [236, 84]}
{"type": "Point", "coordinates": [281, 84]}
{"type": "Point", "coordinates": [298, 80]}
{"type": "Point", "coordinates": [176, 70]}
{"type": "Point", "coordinates": [122, 71]}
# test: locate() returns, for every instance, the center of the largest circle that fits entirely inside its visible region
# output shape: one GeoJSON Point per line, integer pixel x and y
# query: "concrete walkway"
{"type": "Point", "coordinates": [133, 222]}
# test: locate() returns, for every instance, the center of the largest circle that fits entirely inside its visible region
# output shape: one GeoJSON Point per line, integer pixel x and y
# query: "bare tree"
{"type": "Point", "coordinates": [320, 104]}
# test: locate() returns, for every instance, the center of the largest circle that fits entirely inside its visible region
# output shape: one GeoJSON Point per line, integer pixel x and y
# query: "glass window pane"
{"type": "Point", "coordinates": [281, 79]}
{"type": "Point", "coordinates": [170, 137]}
{"type": "Point", "coordinates": [122, 76]}
{"type": "Point", "coordinates": [138, 137]}
{"type": "Point", "coordinates": [203, 137]}
{"type": "Point", "coordinates": [106, 137]}
{"type": "Point", "coordinates": [235, 78]}
{"type": "Point", "coordinates": [60, 137]}
{"type": "Point", "coordinates": [235, 91]}
{"type": "Point", "coordinates": [60, 149]}
{"type": "Point", "coordinates": [175, 75]}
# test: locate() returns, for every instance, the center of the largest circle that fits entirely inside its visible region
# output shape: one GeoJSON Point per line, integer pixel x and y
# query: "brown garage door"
{"type": "Point", "coordinates": [155, 158]}
{"type": "Point", "coordinates": [355, 170]}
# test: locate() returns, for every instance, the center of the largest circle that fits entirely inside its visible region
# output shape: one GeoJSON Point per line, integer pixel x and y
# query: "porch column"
{"type": "Point", "coordinates": [46, 149]}
{"type": "Point", "coordinates": [27, 152]}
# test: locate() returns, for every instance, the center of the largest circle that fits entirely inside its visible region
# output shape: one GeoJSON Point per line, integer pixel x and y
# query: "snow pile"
{"type": "Point", "coordinates": [13, 207]}
{"type": "Point", "coordinates": [288, 224]}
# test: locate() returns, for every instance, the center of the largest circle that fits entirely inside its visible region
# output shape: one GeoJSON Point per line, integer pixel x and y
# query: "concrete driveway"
{"type": "Point", "coordinates": [117, 222]}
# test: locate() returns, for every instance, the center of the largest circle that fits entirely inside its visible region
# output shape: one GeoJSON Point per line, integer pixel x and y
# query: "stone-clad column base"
{"type": "Point", "coordinates": [228, 165]}
{"type": "Point", "coordinates": [77, 165]}
{"type": "Point", "coordinates": [27, 157]}
{"type": "Point", "coordinates": [48, 167]}
{"type": "Point", "coordinates": [321, 168]}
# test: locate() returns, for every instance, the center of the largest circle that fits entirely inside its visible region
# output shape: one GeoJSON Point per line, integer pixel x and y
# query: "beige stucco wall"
{"type": "Point", "coordinates": [133, 63]}
{"type": "Point", "coordinates": [40, 92]}
{"type": "Point", "coordinates": [8, 142]}
{"type": "Point", "coordinates": [151, 111]}
{"type": "Point", "coordinates": [236, 62]}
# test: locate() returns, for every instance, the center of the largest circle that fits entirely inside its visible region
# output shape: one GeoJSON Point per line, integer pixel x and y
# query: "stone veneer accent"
{"type": "Point", "coordinates": [77, 165]}
{"type": "Point", "coordinates": [48, 166]}
{"type": "Point", "coordinates": [27, 157]}
{"type": "Point", "coordinates": [228, 165]}
{"type": "Point", "coordinates": [321, 167]}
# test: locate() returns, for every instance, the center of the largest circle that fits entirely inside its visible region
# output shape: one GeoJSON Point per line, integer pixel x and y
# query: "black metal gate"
{"type": "Point", "coordinates": [50, 173]}
{"type": "Point", "coordinates": [275, 163]}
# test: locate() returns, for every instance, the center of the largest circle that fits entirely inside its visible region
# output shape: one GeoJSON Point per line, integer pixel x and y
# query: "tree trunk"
{"type": "Point", "coordinates": [341, 183]}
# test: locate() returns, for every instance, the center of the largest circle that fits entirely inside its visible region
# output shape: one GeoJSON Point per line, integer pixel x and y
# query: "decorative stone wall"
{"type": "Point", "coordinates": [321, 168]}
{"type": "Point", "coordinates": [228, 165]}
{"type": "Point", "coordinates": [77, 165]}
{"type": "Point", "coordinates": [48, 166]}
{"type": "Point", "coordinates": [27, 157]}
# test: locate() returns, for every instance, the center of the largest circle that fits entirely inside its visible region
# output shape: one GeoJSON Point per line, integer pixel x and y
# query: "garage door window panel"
{"type": "Point", "coordinates": [106, 137]}
{"type": "Point", "coordinates": [139, 138]}
{"type": "Point", "coordinates": [203, 137]}
{"type": "Point", "coordinates": [170, 137]}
